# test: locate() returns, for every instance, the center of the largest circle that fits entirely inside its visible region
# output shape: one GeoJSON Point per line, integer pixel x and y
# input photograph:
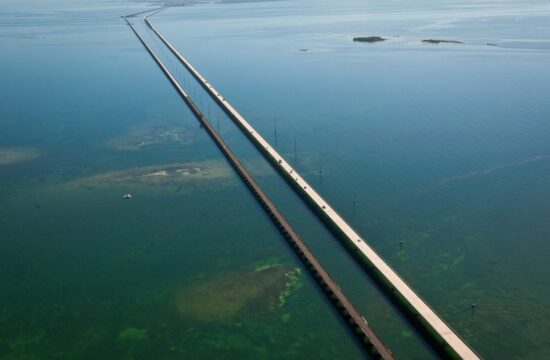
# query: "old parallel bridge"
{"type": "Point", "coordinates": [365, 334]}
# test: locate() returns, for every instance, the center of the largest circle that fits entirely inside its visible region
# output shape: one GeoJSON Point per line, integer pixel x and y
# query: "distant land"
{"type": "Point", "coordinates": [369, 39]}
{"type": "Point", "coordinates": [433, 41]}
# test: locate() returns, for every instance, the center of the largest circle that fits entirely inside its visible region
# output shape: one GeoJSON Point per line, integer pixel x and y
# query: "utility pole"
{"type": "Point", "coordinates": [275, 120]}
{"type": "Point", "coordinates": [295, 149]}
{"type": "Point", "coordinates": [354, 204]}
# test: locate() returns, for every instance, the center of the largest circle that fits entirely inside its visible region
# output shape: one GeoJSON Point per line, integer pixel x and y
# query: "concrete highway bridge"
{"type": "Point", "coordinates": [444, 340]}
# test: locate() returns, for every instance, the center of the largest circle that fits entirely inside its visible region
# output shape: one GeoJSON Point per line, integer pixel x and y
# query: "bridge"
{"type": "Point", "coordinates": [358, 324]}
{"type": "Point", "coordinates": [445, 340]}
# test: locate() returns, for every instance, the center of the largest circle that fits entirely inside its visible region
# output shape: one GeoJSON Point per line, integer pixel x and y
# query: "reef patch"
{"type": "Point", "coordinates": [149, 136]}
{"type": "Point", "coordinates": [228, 295]}
{"type": "Point", "coordinates": [157, 176]}
{"type": "Point", "coordinates": [14, 155]}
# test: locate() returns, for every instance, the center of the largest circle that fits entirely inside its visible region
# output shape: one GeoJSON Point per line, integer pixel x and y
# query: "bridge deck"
{"type": "Point", "coordinates": [452, 343]}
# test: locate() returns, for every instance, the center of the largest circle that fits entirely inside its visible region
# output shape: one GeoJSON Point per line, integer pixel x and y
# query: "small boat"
{"type": "Point", "coordinates": [127, 196]}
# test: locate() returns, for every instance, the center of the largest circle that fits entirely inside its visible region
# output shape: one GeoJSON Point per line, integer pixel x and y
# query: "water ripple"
{"type": "Point", "coordinates": [494, 168]}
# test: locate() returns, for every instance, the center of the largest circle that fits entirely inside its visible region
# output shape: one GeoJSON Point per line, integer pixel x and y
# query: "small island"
{"type": "Point", "coordinates": [369, 39]}
{"type": "Point", "coordinates": [433, 41]}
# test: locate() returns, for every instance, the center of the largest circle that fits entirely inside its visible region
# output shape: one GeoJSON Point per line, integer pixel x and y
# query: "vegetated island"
{"type": "Point", "coordinates": [434, 41]}
{"type": "Point", "coordinates": [369, 39]}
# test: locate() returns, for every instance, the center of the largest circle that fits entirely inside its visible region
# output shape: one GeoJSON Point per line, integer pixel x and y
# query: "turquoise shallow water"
{"type": "Point", "coordinates": [442, 147]}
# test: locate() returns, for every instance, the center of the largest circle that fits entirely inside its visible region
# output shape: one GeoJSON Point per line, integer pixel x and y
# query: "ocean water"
{"type": "Point", "coordinates": [442, 147]}
{"type": "Point", "coordinates": [87, 274]}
